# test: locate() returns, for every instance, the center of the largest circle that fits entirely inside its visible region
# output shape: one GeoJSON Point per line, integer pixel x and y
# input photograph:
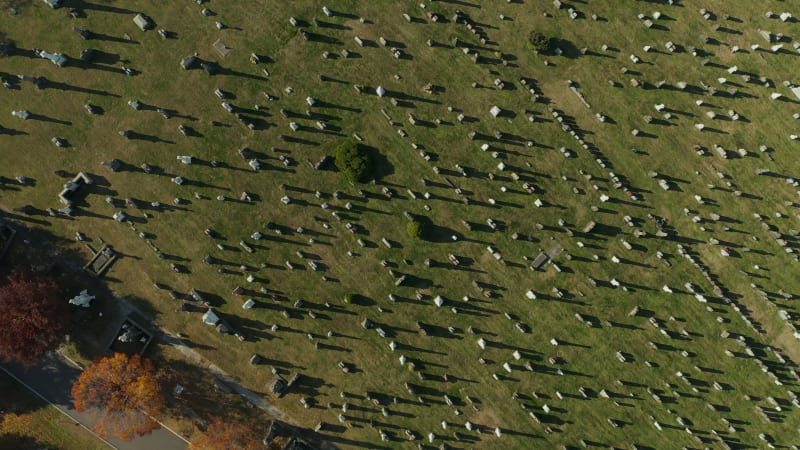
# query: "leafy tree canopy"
{"type": "Point", "coordinates": [35, 317]}
{"type": "Point", "coordinates": [353, 161]}
{"type": "Point", "coordinates": [128, 392]}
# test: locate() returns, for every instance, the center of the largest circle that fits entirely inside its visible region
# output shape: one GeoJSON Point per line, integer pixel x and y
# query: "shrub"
{"type": "Point", "coordinates": [349, 298]}
{"type": "Point", "coordinates": [221, 434]}
{"type": "Point", "coordinates": [416, 229]}
{"type": "Point", "coordinates": [539, 42]}
{"type": "Point", "coordinates": [353, 161]}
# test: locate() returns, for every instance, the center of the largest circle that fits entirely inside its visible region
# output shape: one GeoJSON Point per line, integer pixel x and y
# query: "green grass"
{"type": "Point", "coordinates": [28, 422]}
{"type": "Point", "coordinates": [590, 361]}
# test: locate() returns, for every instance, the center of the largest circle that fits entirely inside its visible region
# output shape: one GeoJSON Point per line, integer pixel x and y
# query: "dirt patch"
{"type": "Point", "coordinates": [487, 418]}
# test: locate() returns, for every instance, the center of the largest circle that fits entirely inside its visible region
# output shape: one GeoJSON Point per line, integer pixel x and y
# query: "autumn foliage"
{"type": "Point", "coordinates": [35, 318]}
{"type": "Point", "coordinates": [222, 435]}
{"type": "Point", "coordinates": [127, 392]}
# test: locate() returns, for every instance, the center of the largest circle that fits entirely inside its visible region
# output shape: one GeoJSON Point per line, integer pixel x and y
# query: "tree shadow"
{"type": "Point", "coordinates": [19, 441]}
{"type": "Point", "coordinates": [568, 49]}
{"type": "Point", "coordinates": [436, 233]}
{"type": "Point", "coordinates": [381, 166]}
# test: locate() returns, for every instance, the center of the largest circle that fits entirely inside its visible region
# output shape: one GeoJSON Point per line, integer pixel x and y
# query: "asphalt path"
{"type": "Point", "coordinates": [52, 379]}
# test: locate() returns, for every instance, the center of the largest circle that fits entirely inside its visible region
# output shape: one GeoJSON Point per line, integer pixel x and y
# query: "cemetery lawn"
{"type": "Point", "coordinates": [28, 422]}
{"type": "Point", "coordinates": [675, 346]}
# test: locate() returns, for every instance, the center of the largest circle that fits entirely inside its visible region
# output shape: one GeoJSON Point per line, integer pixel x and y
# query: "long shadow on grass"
{"type": "Point", "coordinates": [324, 104]}
{"type": "Point", "coordinates": [83, 5]}
{"type": "Point", "coordinates": [350, 442]}
{"type": "Point", "coordinates": [98, 57]}
{"type": "Point", "coordinates": [331, 25]}
{"type": "Point", "coordinates": [195, 345]}
{"type": "Point", "coordinates": [318, 37]}
{"type": "Point", "coordinates": [18, 440]}
{"type": "Point", "coordinates": [224, 71]}
{"type": "Point", "coordinates": [80, 212]}
{"type": "Point", "coordinates": [418, 349]}
{"type": "Point", "coordinates": [10, 132]}
{"type": "Point", "coordinates": [108, 38]}
{"type": "Point", "coordinates": [134, 135]}
{"type": "Point", "coordinates": [61, 86]}
{"type": "Point", "coordinates": [43, 118]}
{"type": "Point", "coordinates": [298, 140]}
{"type": "Point", "coordinates": [93, 66]}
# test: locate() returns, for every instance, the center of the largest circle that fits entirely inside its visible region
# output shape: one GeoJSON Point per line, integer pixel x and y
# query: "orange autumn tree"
{"type": "Point", "coordinates": [127, 392]}
{"type": "Point", "coordinates": [223, 435]}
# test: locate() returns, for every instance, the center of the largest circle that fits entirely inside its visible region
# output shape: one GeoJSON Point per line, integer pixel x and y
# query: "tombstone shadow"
{"type": "Point", "coordinates": [331, 25]}
{"type": "Point", "coordinates": [310, 386]}
{"type": "Point", "coordinates": [225, 71]}
{"type": "Point", "coordinates": [43, 118]}
{"type": "Point", "coordinates": [100, 6]}
{"type": "Point", "coordinates": [298, 140]}
{"type": "Point", "coordinates": [418, 283]}
{"type": "Point", "coordinates": [605, 230]}
{"type": "Point", "coordinates": [108, 38]}
{"type": "Point", "coordinates": [98, 57]}
{"type": "Point", "coordinates": [362, 300]}
{"type": "Point", "coordinates": [134, 135]}
{"type": "Point", "coordinates": [257, 123]}
{"type": "Point", "coordinates": [10, 132]}
{"type": "Point", "coordinates": [12, 82]}
{"type": "Point", "coordinates": [323, 38]}
{"type": "Point", "coordinates": [175, 113]}
{"type": "Point", "coordinates": [61, 86]}
{"type": "Point", "coordinates": [316, 115]}
{"type": "Point", "coordinates": [729, 30]}
{"type": "Point", "coordinates": [94, 66]}
{"type": "Point", "coordinates": [401, 96]}
{"type": "Point", "coordinates": [253, 329]}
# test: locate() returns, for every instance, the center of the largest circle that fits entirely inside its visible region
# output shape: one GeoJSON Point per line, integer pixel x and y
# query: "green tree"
{"type": "Point", "coordinates": [353, 161]}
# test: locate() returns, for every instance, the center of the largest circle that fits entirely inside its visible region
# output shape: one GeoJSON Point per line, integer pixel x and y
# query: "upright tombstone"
{"type": "Point", "coordinates": [143, 22]}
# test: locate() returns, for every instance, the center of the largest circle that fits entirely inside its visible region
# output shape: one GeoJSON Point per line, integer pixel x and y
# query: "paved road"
{"type": "Point", "coordinates": [53, 379]}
